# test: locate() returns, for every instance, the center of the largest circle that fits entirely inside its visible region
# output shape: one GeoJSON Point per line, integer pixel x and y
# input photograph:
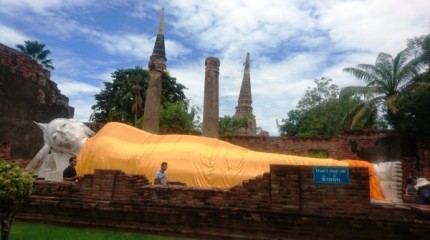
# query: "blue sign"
{"type": "Point", "coordinates": [331, 175]}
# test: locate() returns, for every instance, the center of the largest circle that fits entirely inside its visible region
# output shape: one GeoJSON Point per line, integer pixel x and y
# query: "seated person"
{"type": "Point", "coordinates": [69, 174]}
{"type": "Point", "coordinates": [161, 175]}
{"type": "Point", "coordinates": [423, 190]}
{"type": "Point", "coordinates": [410, 189]}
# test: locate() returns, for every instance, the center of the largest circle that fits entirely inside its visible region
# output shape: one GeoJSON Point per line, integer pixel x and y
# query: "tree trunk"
{"type": "Point", "coordinates": [8, 212]}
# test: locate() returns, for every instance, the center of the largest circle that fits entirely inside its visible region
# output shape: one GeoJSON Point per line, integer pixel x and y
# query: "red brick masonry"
{"type": "Point", "coordinates": [282, 204]}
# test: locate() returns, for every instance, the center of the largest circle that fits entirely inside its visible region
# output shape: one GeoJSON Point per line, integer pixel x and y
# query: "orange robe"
{"type": "Point", "coordinates": [193, 160]}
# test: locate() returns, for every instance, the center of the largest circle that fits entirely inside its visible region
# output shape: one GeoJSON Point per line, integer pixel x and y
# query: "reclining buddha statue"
{"type": "Point", "coordinates": [193, 160]}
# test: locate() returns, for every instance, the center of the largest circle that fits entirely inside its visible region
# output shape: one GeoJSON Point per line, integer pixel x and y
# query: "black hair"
{"type": "Point", "coordinates": [72, 159]}
{"type": "Point", "coordinates": [410, 180]}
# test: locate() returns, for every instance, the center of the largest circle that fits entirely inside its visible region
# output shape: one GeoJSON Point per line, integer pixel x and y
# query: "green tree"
{"type": "Point", "coordinates": [37, 51]}
{"type": "Point", "coordinates": [15, 185]}
{"type": "Point", "coordinates": [363, 114]}
{"type": "Point", "coordinates": [232, 126]}
{"type": "Point", "coordinates": [229, 126]}
{"type": "Point", "coordinates": [415, 115]}
{"type": "Point", "coordinates": [323, 92]}
{"type": "Point", "coordinates": [121, 99]}
{"type": "Point", "coordinates": [420, 47]}
{"type": "Point", "coordinates": [385, 81]}
{"type": "Point", "coordinates": [135, 93]}
{"type": "Point", "coordinates": [175, 116]}
{"type": "Point", "coordinates": [291, 125]}
{"type": "Point", "coordinates": [414, 104]}
{"type": "Point", "coordinates": [319, 113]}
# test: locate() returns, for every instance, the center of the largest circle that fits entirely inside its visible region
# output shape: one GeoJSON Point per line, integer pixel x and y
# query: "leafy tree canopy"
{"type": "Point", "coordinates": [415, 114]}
{"type": "Point", "coordinates": [320, 113]}
{"type": "Point", "coordinates": [230, 126]}
{"type": "Point", "coordinates": [37, 51]}
{"type": "Point", "coordinates": [122, 99]}
{"type": "Point", "coordinates": [421, 48]}
{"type": "Point", "coordinates": [176, 116]}
{"type": "Point", "coordinates": [414, 104]}
{"type": "Point", "coordinates": [385, 81]}
{"type": "Point", "coordinates": [15, 183]}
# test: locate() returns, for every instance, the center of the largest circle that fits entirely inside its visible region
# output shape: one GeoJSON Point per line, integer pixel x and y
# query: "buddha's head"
{"type": "Point", "coordinates": [65, 135]}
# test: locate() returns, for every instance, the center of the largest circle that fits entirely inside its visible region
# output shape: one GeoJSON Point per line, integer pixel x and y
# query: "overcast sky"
{"type": "Point", "coordinates": [291, 43]}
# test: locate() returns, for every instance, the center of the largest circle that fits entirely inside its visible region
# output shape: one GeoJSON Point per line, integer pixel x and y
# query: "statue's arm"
{"type": "Point", "coordinates": [36, 162]}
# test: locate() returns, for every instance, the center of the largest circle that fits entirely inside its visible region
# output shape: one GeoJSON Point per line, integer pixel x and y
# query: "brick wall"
{"type": "Point", "coordinates": [282, 204]}
{"type": "Point", "coordinates": [26, 94]}
{"type": "Point", "coordinates": [371, 145]}
{"type": "Point", "coordinates": [5, 151]}
{"type": "Point", "coordinates": [293, 188]}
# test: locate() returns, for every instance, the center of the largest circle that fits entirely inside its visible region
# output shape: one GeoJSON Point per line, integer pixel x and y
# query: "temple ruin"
{"type": "Point", "coordinates": [244, 103]}
{"type": "Point", "coordinates": [27, 94]}
{"type": "Point", "coordinates": [156, 66]}
{"type": "Point", "coordinates": [211, 98]}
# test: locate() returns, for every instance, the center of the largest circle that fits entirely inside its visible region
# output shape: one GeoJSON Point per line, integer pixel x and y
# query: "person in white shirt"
{"type": "Point", "coordinates": [161, 175]}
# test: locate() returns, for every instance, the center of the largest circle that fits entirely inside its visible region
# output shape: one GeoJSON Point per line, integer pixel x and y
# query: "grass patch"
{"type": "Point", "coordinates": [317, 154]}
{"type": "Point", "coordinates": [38, 231]}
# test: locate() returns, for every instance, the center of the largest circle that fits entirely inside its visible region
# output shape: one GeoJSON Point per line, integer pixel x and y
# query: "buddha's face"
{"type": "Point", "coordinates": [64, 135]}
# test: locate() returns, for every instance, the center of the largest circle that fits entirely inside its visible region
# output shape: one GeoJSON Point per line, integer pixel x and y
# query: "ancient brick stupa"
{"type": "Point", "coordinates": [156, 66]}
{"type": "Point", "coordinates": [244, 103]}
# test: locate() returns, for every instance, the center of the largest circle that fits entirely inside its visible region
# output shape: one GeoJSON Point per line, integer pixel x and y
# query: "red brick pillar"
{"type": "Point", "coordinates": [211, 98]}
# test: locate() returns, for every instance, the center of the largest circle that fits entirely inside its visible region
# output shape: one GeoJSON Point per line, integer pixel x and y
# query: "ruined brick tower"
{"type": "Point", "coordinates": [156, 66]}
{"type": "Point", "coordinates": [211, 98]}
{"type": "Point", "coordinates": [244, 105]}
{"type": "Point", "coordinates": [27, 94]}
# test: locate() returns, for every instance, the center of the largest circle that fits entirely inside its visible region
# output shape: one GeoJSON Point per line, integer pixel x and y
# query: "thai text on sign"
{"type": "Point", "coordinates": [331, 175]}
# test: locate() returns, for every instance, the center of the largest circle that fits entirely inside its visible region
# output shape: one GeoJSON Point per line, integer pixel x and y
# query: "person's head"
{"type": "Point", "coordinates": [163, 166]}
{"type": "Point", "coordinates": [411, 180]}
{"type": "Point", "coordinates": [422, 183]}
{"type": "Point", "coordinates": [73, 161]}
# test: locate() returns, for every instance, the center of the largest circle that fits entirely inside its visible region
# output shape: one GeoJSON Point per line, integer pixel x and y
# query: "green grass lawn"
{"type": "Point", "coordinates": [37, 231]}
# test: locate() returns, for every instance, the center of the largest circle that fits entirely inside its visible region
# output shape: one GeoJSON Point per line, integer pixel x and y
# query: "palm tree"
{"type": "Point", "coordinates": [385, 81]}
{"type": "Point", "coordinates": [134, 81]}
{"type": "Point", "coordinates": [37, 51]}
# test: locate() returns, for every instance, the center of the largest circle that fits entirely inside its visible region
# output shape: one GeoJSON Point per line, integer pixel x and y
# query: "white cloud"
{"type": "Point", "coordinates": [40, 6]}
{"type": "Point", "coordinates": [291, 43]}
{"type": "Point", "coordinates": [368, 24]}
{"type": "Point", "coordinates": [80, 94]}
{"type": "Point", "coordinates": [11, 37]}
{"type": "Point", "coordinates": [82, 108]}
{"type": "Point", "coordinates": [71, 88]}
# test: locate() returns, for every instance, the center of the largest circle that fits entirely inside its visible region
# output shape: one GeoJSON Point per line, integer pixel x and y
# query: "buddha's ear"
{"type": "Point", "coordinates": [86, 129]}
{"type": "Point", "coordinates": [42, 126]}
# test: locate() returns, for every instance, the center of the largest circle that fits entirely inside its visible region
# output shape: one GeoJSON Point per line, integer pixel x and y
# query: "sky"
{"type": "Point", "coordinates": [291, 43]}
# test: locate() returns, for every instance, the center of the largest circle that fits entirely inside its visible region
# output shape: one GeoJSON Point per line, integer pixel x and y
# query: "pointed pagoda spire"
{"type": "Point", "coordinates": [245, 98]}
{"type": "Point", "coordinates": [156, 66]}
{"type": "Point", "coordinates": [244, 108]}
{"type": "Point", "coordinates": [159, 48]}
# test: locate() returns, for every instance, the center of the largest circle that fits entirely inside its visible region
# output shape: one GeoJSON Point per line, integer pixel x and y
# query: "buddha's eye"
{"type": "Point", "coordinates": [55, 137]}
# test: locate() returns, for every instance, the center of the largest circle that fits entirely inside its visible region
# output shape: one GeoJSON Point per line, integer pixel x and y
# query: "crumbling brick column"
{"type": "Point", "coordinates": [211, 98]}
{"type": "Point", "coordinates": [156, 65]}
{"type": "Point", "coordinates": [151, 115]}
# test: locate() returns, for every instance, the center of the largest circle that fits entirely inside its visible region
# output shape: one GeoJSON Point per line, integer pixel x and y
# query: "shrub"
{"type": "Point", "coordinates": [15, 182]}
